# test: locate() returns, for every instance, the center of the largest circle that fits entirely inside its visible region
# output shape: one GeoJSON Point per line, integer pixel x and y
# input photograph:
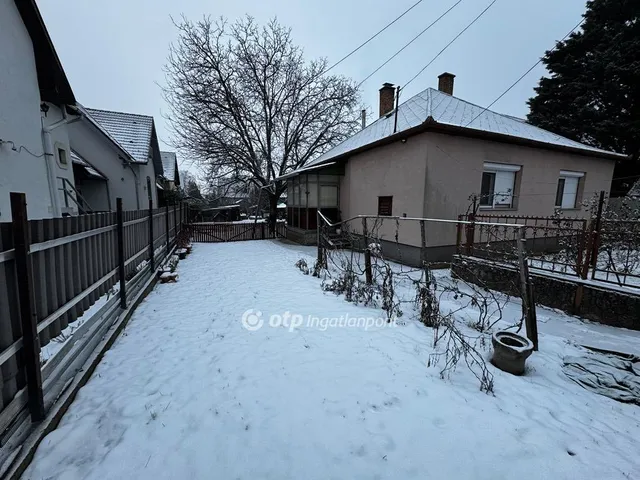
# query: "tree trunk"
{"type": "Point", "coordinates": [273, 212]}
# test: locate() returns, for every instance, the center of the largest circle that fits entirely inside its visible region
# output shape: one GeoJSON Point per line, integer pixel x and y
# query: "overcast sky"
{"type": "Point", "coordinates": [113, 52]}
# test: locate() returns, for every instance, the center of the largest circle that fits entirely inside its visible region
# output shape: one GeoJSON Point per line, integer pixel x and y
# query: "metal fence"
{"type": "Point", "coordinates": [599, 249]}
{"type": "Point", "coordinates": [232, 232]}
{"type": "Point", "coordinates": [51, 272]}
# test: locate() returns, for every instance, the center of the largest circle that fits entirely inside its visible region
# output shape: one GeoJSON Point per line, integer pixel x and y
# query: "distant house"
{"type": "Point", "coordinates": [135, 135]}
{"type": "Point", "coordinates": [427, 157]}
{"type": "Point", "coordinates": [170, 178]}
{"type": "Point", "coordinates": [36, 106]}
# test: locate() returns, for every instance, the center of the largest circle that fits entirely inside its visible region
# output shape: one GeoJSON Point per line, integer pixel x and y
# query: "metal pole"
{"type": "Point", "coordinates": [27, 301]}
{"type": "Point", "coordinates": [596, 232]}
{"type": "Point", "coordinates": [367, 254]}
{"type": "Point", "coordinates": [528, 309]}
{"type": "Point", "coordinates": [151, 259]}
{"type": "Point", "coordinates": [121, 259]}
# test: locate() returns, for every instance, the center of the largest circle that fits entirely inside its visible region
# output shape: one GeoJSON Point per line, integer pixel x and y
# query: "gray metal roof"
{"type": "Point", "coordinates": [131, 131]}
{"type": "Point", "coordinates": [448, 110]}
{"type": "Point", "coordinates": [169, 162]}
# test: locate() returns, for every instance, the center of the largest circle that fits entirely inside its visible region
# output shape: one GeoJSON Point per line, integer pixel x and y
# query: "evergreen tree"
{"type": "Point", "coordinates": [593, 92]}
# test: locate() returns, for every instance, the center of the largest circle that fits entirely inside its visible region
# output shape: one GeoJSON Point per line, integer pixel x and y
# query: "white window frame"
{"type": "Point", "coordinates": [565, 202]}
{"type": "Point", "coordinates": [496, 169]}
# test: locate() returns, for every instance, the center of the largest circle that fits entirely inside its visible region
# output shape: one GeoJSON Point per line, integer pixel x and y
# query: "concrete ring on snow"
{"type": "Point", "coordinates": [510, 351]}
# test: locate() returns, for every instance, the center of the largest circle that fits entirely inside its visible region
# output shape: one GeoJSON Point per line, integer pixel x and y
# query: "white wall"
{"type": "Point", "coordinates": [145, 170]}
{"type": "Point", "coordinates": [20, 119]}
{"type": "Point", "coordinates": [100, 152]}
{"type": "Point", "coordinates": [60, 140]}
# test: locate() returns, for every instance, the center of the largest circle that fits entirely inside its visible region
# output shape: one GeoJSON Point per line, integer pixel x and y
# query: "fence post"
{"type": "Point", "coordinates": [166, 220]}
{"type": "Point", "coordinates": [121, 259]}
{"type": "Point", "coordinates": [459, 235]}
{"type": "Point", "coordinates": [596, 231]}
{"type": "Point", "coordinates": [367, 253]}
{"type": "Point", "coordinates": [526, 293]}
{"type": "Point", "coordinates": [175, 221]}
{"type": "Point", "coordinates": [319, 239]}
{"type": "Point", "coordinates": [471, 233]}
{"type": "Point", "coordinates": [27, 301]}
{"type": "Point", "coordinates": [151, 255]}
{"type": "Point", "coordinates": [423, 244]}
{"type": "Point", "coordinates": [262, 231]}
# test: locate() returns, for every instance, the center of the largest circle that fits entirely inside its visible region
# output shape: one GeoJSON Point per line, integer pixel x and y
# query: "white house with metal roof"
{"type": "Point", "coordinates": [426, 158]}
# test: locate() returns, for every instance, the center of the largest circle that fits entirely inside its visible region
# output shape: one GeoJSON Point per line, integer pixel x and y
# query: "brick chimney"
{"type": "Point", "coordinates": [387, 98]}
{"type": "Point", "coordinates": [445, 82]}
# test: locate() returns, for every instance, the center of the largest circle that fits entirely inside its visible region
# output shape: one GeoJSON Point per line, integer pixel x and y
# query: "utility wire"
{"type": "Point", "coordinates": [525, 73]}
{"type": "Point", "coordinates": [374, 36]}
{"type": "Point", "coordinates": [450, 43]}
{"type": "Point", "coordinates": [411, 41]}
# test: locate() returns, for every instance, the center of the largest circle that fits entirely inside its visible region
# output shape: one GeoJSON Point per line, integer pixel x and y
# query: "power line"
{"type": "Point", "coordinates": [525, 73]}
{"type": "Point", "coordinates": [450, 43]}
{"type": "Point", "coordinates": [374, 36]}
{"type": "Point", "coordinates": [410, 42]}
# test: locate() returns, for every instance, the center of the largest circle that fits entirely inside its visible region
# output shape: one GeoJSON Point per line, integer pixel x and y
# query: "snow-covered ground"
{"type": "Point", "coordinates": [189, 392]}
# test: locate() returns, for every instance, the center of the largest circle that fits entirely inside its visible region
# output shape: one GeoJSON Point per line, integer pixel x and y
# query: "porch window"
{"type": "Point", "coordinates": [385, 206]}
{"type": "Point", "coordinates": [567, 191]}
{"type": "Point", "coordinates": [498, 185]}
{"type": "Point", "coordinates": [328, 196]}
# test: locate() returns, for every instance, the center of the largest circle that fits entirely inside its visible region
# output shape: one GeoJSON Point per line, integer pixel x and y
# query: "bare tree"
{"type": "Point", "coordinates": [245, 103]}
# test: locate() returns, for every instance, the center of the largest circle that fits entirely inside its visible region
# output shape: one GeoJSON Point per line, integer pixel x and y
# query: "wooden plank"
{"type": "Point", "coordinates": [27, 302]}
{"type": "Point", "coordinates": [10, 321]}
{"type": "Point", "coordinates": [39, 278]}
{"type": "Point", "coordinates": [76, 284]}
{"type": "Point", "coordinates": [51, 275]}
{"type": "Point", "coordinates": [121, 255]}
{"type": "Point", "coordinates": [60, 269]}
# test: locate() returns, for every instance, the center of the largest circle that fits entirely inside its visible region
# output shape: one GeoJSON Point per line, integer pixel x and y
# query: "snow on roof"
{"type": "Point", "coordinates": [169, 165]}
{"type": "Point", "coordinates": [449, 110]}
{"type": "Point", "coordinates": [131, 131]}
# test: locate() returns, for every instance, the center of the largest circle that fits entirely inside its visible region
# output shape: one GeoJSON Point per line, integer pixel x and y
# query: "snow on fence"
{"type": "Point", "coordinates": [232, 232]}
{"type": "Point", "coordinates": [52, 272]}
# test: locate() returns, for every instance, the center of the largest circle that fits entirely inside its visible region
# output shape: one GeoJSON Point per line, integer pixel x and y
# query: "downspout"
{"type": "Point", "coordinates": [49, 155]}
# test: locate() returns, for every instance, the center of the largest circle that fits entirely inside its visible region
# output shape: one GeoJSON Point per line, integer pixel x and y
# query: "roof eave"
{"type": "Point", "coordinates": [503, 138]}
{"type": "Point", "coordinates": [52, 80]}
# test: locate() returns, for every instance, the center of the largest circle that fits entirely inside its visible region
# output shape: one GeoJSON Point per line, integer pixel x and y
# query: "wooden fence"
{"type": "Point", "coordinates": [51, 272]}
{"type": "Point", "coordinates": [232, 232]}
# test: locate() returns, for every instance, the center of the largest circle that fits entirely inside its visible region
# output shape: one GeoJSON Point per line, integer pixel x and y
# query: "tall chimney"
{"type": "Point", "coordinates": [387, 101]}
{"type": "Point", "coordinates": [445, 82]}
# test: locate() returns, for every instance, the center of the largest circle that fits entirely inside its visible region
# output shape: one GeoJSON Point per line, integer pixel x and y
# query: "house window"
{"type": "Point", "coordinates": [328, 196]}
{"type": "Point", "coordinates": [62, 156]}
{"type": "Point", "coordinates": [567, 191]}
{"type": "Point", "coordinates": [385, 206]}
{"type": "Point", "coordinates": [498, 185]}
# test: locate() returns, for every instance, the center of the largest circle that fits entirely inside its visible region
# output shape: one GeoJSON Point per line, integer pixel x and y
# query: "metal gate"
{"type": "Point", "coordinates": [211, 232]}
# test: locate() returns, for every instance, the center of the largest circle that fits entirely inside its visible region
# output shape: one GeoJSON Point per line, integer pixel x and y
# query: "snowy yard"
{"type": "Point", "coordinates": [189, 392]}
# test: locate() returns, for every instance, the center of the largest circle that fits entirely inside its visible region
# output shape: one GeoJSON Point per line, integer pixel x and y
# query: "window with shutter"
{"type": "Point", "coordinates": [567, 191]}
{"type": "Point", "coordinates": [385, 206]}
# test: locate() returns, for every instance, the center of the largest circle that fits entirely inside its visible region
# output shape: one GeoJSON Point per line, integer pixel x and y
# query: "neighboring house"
{"type": "Point", "coordinates": [429, 156]}
{"type": "Point", "coordinates": [170, 168]}
{"type": "Point", "coordinates": [36, 106]}
{"type": "Point", "coordinates": [103, 169]}
{"type": "Point", "coordinates": [136, 136]}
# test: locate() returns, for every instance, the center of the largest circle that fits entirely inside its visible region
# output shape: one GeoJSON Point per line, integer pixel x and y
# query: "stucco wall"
{"type": "Point", "coordinates": [147, 170]}
{"type": "Point", "coordinates": [102, 154]}
{"type": "Point", "coordinates": [60, 140]}
{"type": "Point", "coordinates": [454, 172]}
{"type": "Point", "coordinates": [433, 175]}
{"type": "Point", "coordinates": [396, 170]}
{"type": "Point", "coordinates": [20, 119]}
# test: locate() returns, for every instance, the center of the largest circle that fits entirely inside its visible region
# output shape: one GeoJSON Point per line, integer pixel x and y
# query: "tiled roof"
{"type": "Point", "coordinates": [169, 162]}
{"type": "Point", "coordinates": [131, 131]}
{"type": "Point", "coordinates": [445, 109]}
